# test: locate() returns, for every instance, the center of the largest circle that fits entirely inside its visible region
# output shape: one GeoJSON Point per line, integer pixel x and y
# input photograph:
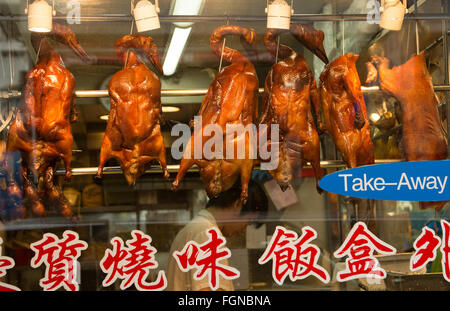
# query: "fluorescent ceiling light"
{"type": "Point", "coordinates": [180, 34]}
{"type": "Point", "coordinates": [177, 43]}
{"type": "Point", "coordinates": [186, 7]}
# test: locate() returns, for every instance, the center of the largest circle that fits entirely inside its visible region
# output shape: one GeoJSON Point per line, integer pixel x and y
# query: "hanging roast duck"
{"type": "Point", "coordinates": [41, 130]}
{"type": "Point", "coordinates": [346, 120]}
{"type": "Point", "coordinates": [290, 97]}
{"type": "Point", "coordinates": [423, 136]}
{"type": "Point", "coordinates": [232, 99]}
{"type": "Point", "coordinates": [133, 133]}
{"type": "Point", "coordinates": [344, 111]}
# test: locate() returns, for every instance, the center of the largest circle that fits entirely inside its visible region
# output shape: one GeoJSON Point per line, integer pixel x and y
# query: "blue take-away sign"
{"type": "Point", "coordinates": [401, 181]}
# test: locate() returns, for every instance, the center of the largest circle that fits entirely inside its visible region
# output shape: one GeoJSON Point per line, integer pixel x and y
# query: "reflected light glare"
{"type": "Point", "coordinates": [375, 117]}
{"type": "Point", "coordinates": [104, 117]}
{"type": "Point", "coordinates": [39, 29]}
{"type": "Point", "coordinates": [177, 43]}
{"type": "Point", "coordinates": [170, 109]}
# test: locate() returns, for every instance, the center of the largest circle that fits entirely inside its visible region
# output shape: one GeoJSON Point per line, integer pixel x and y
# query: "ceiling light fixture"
{"type": "Point", "coordinates": [104, 117]}
{"type": "Point", "coordinates": [40, 16]}
{"type": "Point", "coordinates": [180, 34]}
{"type": "Point", "coordinates": [279, 14]}
{"type": "Point", "coordinates": [392, 14]}
{"type": "Point", "coordinates": [146, 15]}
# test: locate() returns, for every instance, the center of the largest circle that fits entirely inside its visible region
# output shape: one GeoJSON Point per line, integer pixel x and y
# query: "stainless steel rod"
{"type": "Point", "coordinates": [186, 92]}
{"type": "Point", "coordinates": [113, 170]}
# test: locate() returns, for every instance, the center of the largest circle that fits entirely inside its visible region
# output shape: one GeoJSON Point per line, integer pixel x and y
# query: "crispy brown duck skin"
{"type": "Point", "coordinates": [133, 133]}
{"type": "Point", "coordinates": [344, 111]}
{"type": "Point", "coordinates": [232, 98]}
{"type": "Point", "coordinates": [41, 130]}
{"type": "Point", "coordinates": [290, 99]}
{"type": "Point", "coordinates": [423, 136]}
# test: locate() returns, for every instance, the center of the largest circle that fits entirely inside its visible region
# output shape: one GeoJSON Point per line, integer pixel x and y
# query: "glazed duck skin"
{"type": "Point", "coordinates": [232, 98]}
{"type": "Point", "coordinates": [41, 130]}
{"type": "Point", "coordinates": [423, 136]}
{"type": "Point", "coordinates": [290, 97]}
{"type": "Point", "coordinates": [133, 133]}
{"type": "Point", "coordinates": [344, 111]}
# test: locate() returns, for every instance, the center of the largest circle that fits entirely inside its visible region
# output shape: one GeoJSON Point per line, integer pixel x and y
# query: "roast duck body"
{"type": "Point", "coordinates": [290, 99]}
{"type": "Point", "coordinates": [344, 111]}
{"type": "Point", "coordinates": [232, 99]}
{"type": "Point", "coordinates": [423, 136]}
{"type": "Point", "coordinates": [133, 132]}
{"type": "Point", "coordinates": [41, 130]}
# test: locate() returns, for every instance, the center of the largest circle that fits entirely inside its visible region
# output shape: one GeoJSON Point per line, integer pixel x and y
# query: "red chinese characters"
{"type": "Point", "coordinates": [445, 249]}
{"type": "Point", "coordinates": [294, 257]}
{"type": "Point", "coordinates": [359, 247]}
{"type": "Point", "coordinates": [426, 246]}
{"type": "Point", "coordinates": [205, 258]}
{"type": "Point", "coordinates": [132, 264]}
{"type": "Point", "coordinates": [60, 258]}
{"type": "Point", "coordinates": [5, 264]}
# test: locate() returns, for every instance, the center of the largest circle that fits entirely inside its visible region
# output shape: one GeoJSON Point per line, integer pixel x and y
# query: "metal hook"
{"type": "Point", "coordinates": [278, 46]}
{"type": "Point", "coordinates": [38, 52]}
{"type": "Point", "coordinates": [417, 38]}
{"type": "Point", "coordinates": [131, 32]}
{"type": "Point", "coordinates": [223, 48]}
{"type": "Point", "coordinates": [221, 54]}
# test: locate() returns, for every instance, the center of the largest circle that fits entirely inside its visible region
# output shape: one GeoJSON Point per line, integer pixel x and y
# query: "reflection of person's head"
{"type": "Point", "coordinates": [231, 215]}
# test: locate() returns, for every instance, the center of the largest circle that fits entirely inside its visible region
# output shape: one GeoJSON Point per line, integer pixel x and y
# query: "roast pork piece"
{"type": "Point", "coordinates": [423, 136]}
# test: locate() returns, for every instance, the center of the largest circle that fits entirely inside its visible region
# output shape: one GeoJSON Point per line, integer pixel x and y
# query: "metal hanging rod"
{"type": "Point", "coordinates": [114, 170]}
{"type": "Point", "coordinates": [186, 92]}
{"type": "Point", "coordinates": [224, 18]}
